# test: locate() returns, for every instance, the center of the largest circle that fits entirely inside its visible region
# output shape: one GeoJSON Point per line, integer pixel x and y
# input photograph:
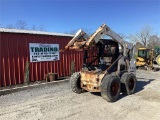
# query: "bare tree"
{"type": "Point", "coordinates": [153, 41]}
{"type": "Point", "coordinates": [123, 36]}
{"type": "Point", "coordinates": [88, 31]}
{"type": "Point", "coordinates": [71, 32]}
{"type": "Point", "coordinates": [133, 38]}
{"type": "Point", "coordinates": [138, 45]}
{"type": "Point", "coordinates": [24, 26]}
{"type": "Point", "coordinates": [41, 28]}
{"type": "Point", "coordinates": [21, 25]}
{"type": "Point", "coordinates": [33, 27]}
{"type": "Point", "coordinates": [142, 36]}
{"type": "Point", "coordinates": [10, 26]}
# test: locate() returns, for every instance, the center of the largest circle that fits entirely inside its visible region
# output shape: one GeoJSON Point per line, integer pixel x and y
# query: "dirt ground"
{"type": "Point", "coordinates": [58, 102]}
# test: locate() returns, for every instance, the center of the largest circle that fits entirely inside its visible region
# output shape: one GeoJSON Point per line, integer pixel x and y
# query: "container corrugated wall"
{"type": "Point", "coordinates": [14, 53]}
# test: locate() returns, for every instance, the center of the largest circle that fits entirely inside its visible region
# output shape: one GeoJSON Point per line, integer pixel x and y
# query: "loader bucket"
{"type": "Point", "coordinates": [78, 41]}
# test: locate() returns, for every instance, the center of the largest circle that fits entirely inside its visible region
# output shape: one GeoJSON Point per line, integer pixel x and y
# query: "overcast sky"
{"type": "Point", "coordinates": [123, 16]}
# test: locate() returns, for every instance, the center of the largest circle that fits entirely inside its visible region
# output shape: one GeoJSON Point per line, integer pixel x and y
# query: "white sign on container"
{"type": "Point", "coordinates": [43, 52]}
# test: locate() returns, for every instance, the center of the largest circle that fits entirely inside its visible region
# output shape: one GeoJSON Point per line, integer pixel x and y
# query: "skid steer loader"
{"type": "Point", "coordinates": [111, 72]}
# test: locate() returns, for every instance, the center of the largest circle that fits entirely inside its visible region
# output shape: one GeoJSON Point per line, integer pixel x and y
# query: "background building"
{"type": "Point", "coordinates": [14, 54]}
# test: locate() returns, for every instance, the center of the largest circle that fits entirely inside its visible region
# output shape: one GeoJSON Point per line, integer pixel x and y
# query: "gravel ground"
{"type": "Point", "coordinates": [58, 102]}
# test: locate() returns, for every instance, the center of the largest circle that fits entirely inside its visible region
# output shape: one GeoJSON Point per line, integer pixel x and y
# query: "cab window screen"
{"type": "Point", "coordinates": [141, 53]}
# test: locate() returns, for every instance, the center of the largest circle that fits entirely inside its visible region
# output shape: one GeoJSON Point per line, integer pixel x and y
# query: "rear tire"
{"type": "Point", "coordinates": [128, 81]}
{"type": "Point", "coordinates": [110, 88]}
{"type": "Point", "coordinates": [75, 83]}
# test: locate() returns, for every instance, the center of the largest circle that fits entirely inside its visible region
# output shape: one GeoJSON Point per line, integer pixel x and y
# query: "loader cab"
{"type": "Point", "coordinates": [107, 51]}
{"type": "Point", "coordinates": [145, 57]}
{"type": "Point", "coordinates": [143, 53]}
{"type": "Point", "coordinates": [108, 54]}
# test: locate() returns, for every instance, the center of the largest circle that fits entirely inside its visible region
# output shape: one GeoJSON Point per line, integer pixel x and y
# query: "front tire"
{"type": "Point", "coordinates": [75, 83]}
{"type": "Point", "coordinates": [110, 88]}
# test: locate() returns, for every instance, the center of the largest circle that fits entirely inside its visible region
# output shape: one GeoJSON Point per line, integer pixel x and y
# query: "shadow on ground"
{"type": "Point", "coordinates": [62, 78]}
{"type": "Point", "coordinates": [141, 83]}
{"type": "Point", "coordinates": [96, 93]}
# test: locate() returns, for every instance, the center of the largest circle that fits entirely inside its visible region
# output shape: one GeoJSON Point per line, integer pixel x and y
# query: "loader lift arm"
{"type": "Point", "coordinates": [82, 41]}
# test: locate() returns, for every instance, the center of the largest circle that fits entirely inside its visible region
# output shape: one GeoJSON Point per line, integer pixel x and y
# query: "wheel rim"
{"type": "Point", "coordinates": [114, 88]}
{"type": "Point", "coordinates": [131, 84]}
